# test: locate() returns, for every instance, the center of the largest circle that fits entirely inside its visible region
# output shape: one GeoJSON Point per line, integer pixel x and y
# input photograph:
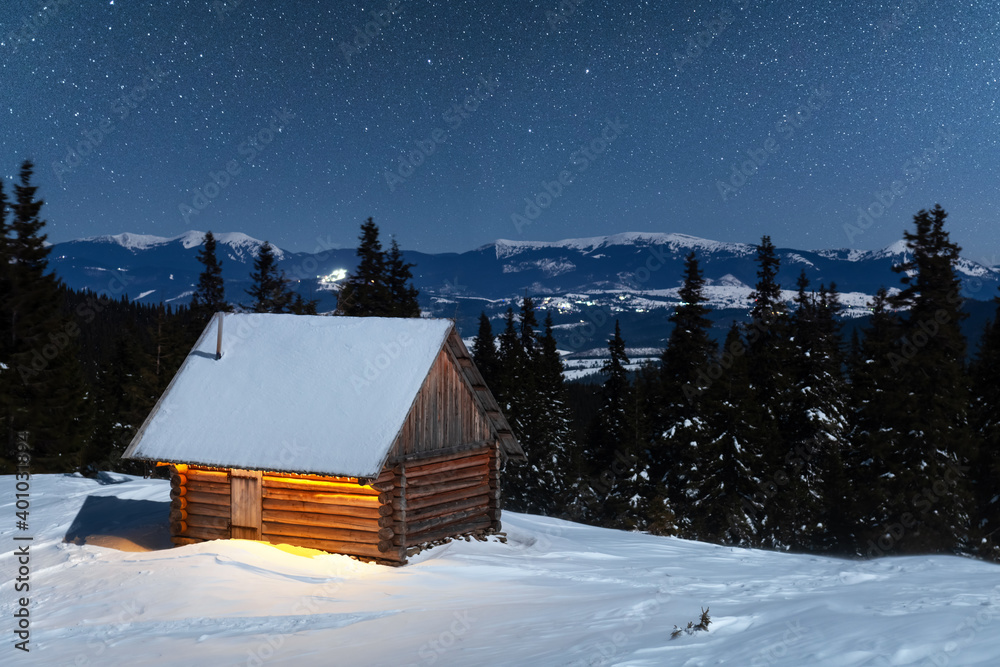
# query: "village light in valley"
{"type": "Point", "coordinates": [334, 276]}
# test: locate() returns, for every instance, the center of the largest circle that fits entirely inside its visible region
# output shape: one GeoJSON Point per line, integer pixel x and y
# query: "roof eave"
{"type": "Point", "coordinates": [509, 446]}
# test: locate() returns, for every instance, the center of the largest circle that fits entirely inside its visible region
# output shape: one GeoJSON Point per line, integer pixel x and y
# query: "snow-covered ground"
{"type": "Point", "coordinates": [106, 589]}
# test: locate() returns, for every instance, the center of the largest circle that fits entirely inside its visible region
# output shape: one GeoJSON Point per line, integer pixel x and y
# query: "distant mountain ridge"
{"type": "Point", "coordinates": [631, 276]}
{"type": "Point", "coordinates": [507, 248]}
{"type": "Point", "coordinates": [191, 239]}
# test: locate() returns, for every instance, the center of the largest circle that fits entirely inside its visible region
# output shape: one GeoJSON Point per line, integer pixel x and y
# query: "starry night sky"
{"type": "Point", "coordinates": [667, 98]}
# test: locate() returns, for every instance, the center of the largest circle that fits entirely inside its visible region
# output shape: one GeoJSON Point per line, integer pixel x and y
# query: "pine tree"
{"type": "Point", "coordinates": [402, 293]}
{"type": "Point", "coordinates": [46, 394]}
{"type": "Point", "coordinates": [932, 467]}
{"type": "Point", "coordinates": [270, 290]}
{"type": "Point", "coordinates": [676, 466]}
{"type": "Point", "coordinates": [984, 408]}
{"type": "Point", "coordinates": [210, 295]}
{"type": "Point", "coordinates": [366, 292]}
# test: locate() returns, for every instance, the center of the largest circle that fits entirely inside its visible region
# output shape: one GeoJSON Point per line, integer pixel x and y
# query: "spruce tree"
{"type": "Point", "coordinates": [933, 464]}
{"type": "Point", "coordinates": [509, 391]}
{"type": "Point", "coordinates": [528, 324]}
{"type": "Point", "coordinates": [531, 408]}
{"type": "Point", "coordinates": [556, 446]}
{"type": "Point", "coordinates": [830, 417]}
{"type": "Point", "coordinates": [270, 290]}
{"type": "Point", "coordinates": [484, 350]}
{"type": "Point", "coordinates": [510, 360]}
{"type": "Point", "coordinates": [366, 292]}
{"type": "Point", "coordinates": [46, 394]}
{"type": "Point", "coordinates": [800, 493]}
{"type": "Point", "coordinates": [7, 378]}
{"type": "Point", "coordinates": [526, 412]}
{"type": "Point", "coordinates": [123, 399]}
{"type": "Point", "coordinates": [402, 293]}
{"type": "Point", "coordinates": [132, 351]}
{"type": "Point", "coordinates": [733, 494]}
{"type": "Point", "coordinates": [610, 451]}
{"type": "Point", "coordinates": [654, 510]}
{"type": "Point", "coordinates": [300, 306]}
{"type": "Point", "coordinates": [676, 465]}
{"type": "Point", "coordinates": [876, 417]}
{"type": "Point", "coordinates": [768, 357]}
{"type": "Point", "coordinates": [985, 422]}
{"type": "Point", "coordinates": [6, 286]}
{"type": "Point", "coordinates": [210, 295]}
{"type": "Point", "coordinates": [817, 424]}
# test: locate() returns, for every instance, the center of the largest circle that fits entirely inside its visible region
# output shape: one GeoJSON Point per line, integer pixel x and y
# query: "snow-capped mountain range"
{"type": "Point", "coordinates": [632, 276]}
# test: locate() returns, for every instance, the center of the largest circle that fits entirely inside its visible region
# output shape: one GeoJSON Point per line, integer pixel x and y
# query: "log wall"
{"type": "Point", "coordinates": [200, 504]}
{"type": "Point", "coordinates": [335, 514]}
{"type": "Point", "coordinates": [443, 496]}
{"type": "Point", "coordinates": [444, 415]}
{"type": "Point", "coordinates": [416, 500]}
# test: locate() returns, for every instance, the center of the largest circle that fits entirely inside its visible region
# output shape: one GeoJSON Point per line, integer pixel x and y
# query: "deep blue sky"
{"type": "Point", "coordinates": [891, 79]}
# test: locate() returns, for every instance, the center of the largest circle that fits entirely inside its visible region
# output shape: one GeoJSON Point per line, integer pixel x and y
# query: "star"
{"type": "Point", "coordinates": [697, 90]}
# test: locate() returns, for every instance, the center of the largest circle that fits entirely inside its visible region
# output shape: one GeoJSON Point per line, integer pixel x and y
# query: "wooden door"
{"type": "Point", "coordinates": [246, 504]}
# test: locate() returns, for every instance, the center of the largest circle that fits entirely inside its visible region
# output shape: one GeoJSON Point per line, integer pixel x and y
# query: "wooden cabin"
{"type": "Point", "coordinates": [360, 436]}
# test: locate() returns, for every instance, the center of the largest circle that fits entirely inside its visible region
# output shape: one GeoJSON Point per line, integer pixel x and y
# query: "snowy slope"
{"type": "Point", "coordinates": [556, 594]}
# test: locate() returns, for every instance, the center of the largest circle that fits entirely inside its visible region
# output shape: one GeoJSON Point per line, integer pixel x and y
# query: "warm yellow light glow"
{"type": "Point", "coordinates": [305, 552]}
{"type": "Point", "coordinates": [334, 485]}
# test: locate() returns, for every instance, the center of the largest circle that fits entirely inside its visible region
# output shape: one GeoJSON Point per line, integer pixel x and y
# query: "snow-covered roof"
{"type": "Point", "coordinates": [293, 393]}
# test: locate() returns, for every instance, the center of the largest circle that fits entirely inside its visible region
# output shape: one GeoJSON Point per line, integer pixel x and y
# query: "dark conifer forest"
{"type": "Point", "coordinates": [784, 436]}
